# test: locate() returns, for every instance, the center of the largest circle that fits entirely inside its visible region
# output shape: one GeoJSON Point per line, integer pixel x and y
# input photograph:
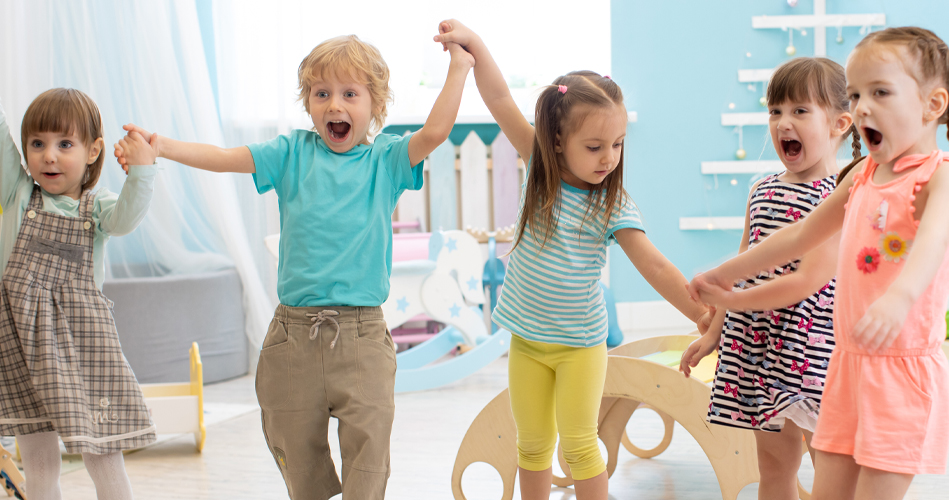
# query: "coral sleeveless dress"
{"type": "Point", "coordinates": [889, 410]}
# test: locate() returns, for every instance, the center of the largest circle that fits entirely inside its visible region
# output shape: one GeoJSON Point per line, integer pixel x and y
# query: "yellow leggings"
{"type": "Point", "coordinates": [555, 386]}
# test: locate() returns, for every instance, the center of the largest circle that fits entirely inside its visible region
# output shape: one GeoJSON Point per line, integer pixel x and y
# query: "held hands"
{"type": "Point", "coordinates": [698, 349]}
{"type": "Point", "coordinates": [452, 30]}
{"type": "Point", "coordinates": [139, 147]}
{"type": "Point", "coordinates": [708, 288]}
{"type": "Point", "coordinates": [705, 321]}
{"type": "Point", "coordinates": [882, 322]}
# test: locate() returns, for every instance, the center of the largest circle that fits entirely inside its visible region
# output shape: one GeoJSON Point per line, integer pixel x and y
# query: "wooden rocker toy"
{"type": "Point", "coordinates": [640, 374]}
{"type": "Point", "coordinates": [11, 481]}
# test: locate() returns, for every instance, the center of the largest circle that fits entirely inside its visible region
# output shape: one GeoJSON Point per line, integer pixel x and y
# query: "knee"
{"type": "Point", "coordinates": [535, 450]}
{"type": "Point", "coordinates": [774, 465]}
{"type": "Point", "coordinates": [583, 457]}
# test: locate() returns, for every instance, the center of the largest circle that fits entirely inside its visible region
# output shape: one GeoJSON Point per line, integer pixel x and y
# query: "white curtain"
{"type": "Point", "coordinates": [142, 62]}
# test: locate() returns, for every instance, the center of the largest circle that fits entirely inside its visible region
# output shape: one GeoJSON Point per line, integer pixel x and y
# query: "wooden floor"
{"type": "Point", "coordinates": [428, 428]}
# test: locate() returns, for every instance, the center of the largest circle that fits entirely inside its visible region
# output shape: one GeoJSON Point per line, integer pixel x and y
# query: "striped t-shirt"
{"type": "Point", "coordinates": [553, 295]}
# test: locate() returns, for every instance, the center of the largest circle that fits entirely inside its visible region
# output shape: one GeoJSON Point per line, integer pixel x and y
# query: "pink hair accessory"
{"type": "Point", "coordinates": [607, 77]}
{"type": "Point", "coordinates": [562, 89]}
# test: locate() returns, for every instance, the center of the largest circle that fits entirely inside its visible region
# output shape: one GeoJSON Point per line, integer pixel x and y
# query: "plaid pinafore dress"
{"type": "Point", "coordinates": [61, 365]}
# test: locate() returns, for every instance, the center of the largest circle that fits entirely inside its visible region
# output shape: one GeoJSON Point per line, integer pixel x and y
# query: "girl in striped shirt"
{"type": "Point", "coordinates": [573, 207]}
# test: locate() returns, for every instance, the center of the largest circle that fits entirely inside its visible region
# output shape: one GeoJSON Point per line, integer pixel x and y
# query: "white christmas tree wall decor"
{"type": "Point", "coordinates": [818, 22]}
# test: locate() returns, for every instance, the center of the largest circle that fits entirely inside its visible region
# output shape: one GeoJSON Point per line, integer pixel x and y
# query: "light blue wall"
{"type": "Point", "coordinates": [678, 63]}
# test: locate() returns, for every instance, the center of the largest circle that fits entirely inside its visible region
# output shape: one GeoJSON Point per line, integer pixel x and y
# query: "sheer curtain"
{"type": "Point", "coordinates": [142, 62]}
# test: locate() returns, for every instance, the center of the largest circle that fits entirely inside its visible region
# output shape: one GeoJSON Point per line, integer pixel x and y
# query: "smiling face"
{"type": "Point", "coordinates": [58, 161]}
{"type": "Point", "coordinates": [594, 149]}
{"type": "Point", "coordinates": [890, 109]}
{"type": "Point", "coordinates": [341, 109]}
{"type": "Point", "coordinates": [804, 135]}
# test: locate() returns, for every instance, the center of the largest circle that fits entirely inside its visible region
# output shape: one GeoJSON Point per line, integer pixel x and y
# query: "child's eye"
{"type": "Point", "coordinates": [774, 112]}
{"type": "Point", "coordinates": [618, 145]}
{"type": "Point", "coordinates": [854, 97]}
{"type": "Point", "coordinates": [322, 94]}
{"type": "Point", "coordinates": [350, 94]}
{"type": "Point", "coordinates": [880, 92]}
{"type": "Point", "coordinates": [65, 144]}
{"type": "Point", "coordinates": [800, 110]}
{"type": "Point", "coordinates": [37, 144]}
{"type": "Point", "coordinates": [593, 149]}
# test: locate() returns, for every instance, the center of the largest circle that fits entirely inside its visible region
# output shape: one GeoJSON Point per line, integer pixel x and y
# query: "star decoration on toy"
{"type": "Point", "coordinates": [451, 245]}
{"type": "Point", "coordinates": [473, 283]}
{"type": "Point", "coordinates": [403, 305]}
{"type": "Point", "coordinates": [455, 310]}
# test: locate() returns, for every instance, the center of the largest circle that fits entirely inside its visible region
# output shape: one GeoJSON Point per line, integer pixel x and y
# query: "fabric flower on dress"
{"type": "Point", "coordinates": [868, 260]}
{"type": "Point", "coordinates": [894, 248]}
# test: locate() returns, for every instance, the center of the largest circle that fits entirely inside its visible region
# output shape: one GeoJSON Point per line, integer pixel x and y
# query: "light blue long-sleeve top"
{"type": "Point", "coordinates": [113, 215]}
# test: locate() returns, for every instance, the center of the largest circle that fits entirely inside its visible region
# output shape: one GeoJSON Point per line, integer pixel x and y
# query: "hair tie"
{"type": "Point", "coordinates": [562, 89]}
{"type": "Point", "coordinates": [607, 77]}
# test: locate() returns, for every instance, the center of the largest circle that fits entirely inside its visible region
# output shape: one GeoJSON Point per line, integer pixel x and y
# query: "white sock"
{"type": "Point", "coordinates": [42, 464]}
{"type": "Point", "coordinates": [108, 474]}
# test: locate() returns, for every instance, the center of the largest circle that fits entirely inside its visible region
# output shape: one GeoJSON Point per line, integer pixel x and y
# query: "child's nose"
{"type": "Point", "coordinates": [49, 156]}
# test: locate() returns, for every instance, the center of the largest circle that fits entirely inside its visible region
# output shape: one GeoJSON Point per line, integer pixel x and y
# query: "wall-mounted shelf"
{"type": "Point", "coordinates": [751, 166]}
{"type": "Point", "coordinates": [743, 119]}
{"type": "Point", "coordinates": [711, 223]}
{"type": "Point", "coordinates": [755, 75]}
{"type": "Point", "coordinates": [818, 21]}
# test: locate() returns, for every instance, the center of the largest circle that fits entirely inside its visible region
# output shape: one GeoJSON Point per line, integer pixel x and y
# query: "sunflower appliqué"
{"type": "Point", "coordinates": [868, 260]}
{"type": "Point", "coordinates": [894, 247]}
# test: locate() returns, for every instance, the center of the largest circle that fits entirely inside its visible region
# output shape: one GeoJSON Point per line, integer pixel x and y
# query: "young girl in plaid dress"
{"type": "Point", "coordinates": [62, 371]}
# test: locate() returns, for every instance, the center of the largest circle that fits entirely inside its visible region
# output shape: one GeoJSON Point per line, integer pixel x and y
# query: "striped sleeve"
{"type": "Point", "coordinates": [628, 216]}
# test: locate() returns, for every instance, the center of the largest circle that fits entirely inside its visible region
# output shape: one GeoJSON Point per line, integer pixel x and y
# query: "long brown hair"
{"type": "Point", "coordinates": [820, 80]}
{"type": "Point", "coordinates": [554, 115]}
{"type": "Point", "coordinates": [66, 111]}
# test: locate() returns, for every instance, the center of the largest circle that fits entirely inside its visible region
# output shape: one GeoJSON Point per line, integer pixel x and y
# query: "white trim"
{"type": "Point", "coordinates": [88, 439]}
{"type": "Point", "coordinates": [711, 223]}
{"type": "Point", "coordinates": [742, 119]}
{"type": "Point", "coordinates": [16, 421]}
{"type": "Point", "coordinates": [752, 166]}
{"type": "Point", "coordinates": [650, 319]}
{"type": "Point", "coordinates": [632, 116]}
{"type": "Point", "coordinates": [812, 21]}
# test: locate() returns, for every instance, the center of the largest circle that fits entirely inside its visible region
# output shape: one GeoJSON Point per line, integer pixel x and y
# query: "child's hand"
{"type": "Point", "coordinates": [452, 30]}
{"type": "Point", "coordinates": [460, 56]}
{"type": "Point", "coordinates": [698, 349]}
{"type": "Point", "coordinates": [135, 150]}
{"type": "Point", "coordinates": [882, 322]}
{"type": "Point", "coordinates": [705, 321]}
{"type": "Point", "coordinates": [706, 283]}
{"type": "Point", "coordinates": [121, 154]}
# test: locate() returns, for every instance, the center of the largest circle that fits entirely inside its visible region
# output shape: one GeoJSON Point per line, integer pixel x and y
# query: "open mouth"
{"type": "Point", "coordinates": [51, 175]}
{"type": "Point", "coordinates": [792, 148]}
{"type": "Point", "coordinates": [338, 131]}
{"type": "Point", "coordinates": [873, 136]}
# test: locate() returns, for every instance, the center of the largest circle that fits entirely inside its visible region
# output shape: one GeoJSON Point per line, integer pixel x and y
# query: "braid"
{"type": "Point", "coordinates": [856, 141]}
{"type": "Point", "coordinates": [856, 155]}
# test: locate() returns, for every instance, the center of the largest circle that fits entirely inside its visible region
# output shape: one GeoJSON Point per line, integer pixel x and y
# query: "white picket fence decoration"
{"type": "Point", "coordinates": [468, 185]}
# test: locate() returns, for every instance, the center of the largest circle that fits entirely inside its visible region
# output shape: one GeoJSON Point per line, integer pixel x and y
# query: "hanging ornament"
{"type": "Point", "coordinates": [731, 105]}
{"type": "Point", "coordinates": [763, 101]}
{"type": "Point", "coordinates": [790, 50]}
{"type": "Point", "coordinates": [840, 35]}
{"type": "Point", "coordinates": [740, 154]}
{"type": "Point", "coordinates": [792, 3]}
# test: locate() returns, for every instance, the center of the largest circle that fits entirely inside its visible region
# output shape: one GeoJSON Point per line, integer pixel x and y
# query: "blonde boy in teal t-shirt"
{"type": "Point", "coordinates": [328, 352]}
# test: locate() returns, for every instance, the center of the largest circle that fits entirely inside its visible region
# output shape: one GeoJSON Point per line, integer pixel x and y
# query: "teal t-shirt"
{"type": "Point", "coordinates": [335, 215]}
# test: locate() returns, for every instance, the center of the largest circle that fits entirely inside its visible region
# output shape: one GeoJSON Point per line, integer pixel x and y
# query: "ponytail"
{"type": "Point", "coordinates": [857, 158]}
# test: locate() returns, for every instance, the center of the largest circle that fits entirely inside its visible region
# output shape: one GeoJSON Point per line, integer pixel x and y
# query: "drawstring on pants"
{"type": "Point", "coordinates": [318, 320]}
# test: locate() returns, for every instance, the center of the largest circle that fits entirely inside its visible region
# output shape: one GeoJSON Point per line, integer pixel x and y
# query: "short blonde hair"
{"type": "Point", "coordinates": [349, 55]}
{"type": "Point", "coordinates": [66, 111]}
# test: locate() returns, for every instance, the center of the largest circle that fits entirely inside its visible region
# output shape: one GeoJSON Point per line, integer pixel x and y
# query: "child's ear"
{"type": "Point", "coordinates": [843, 123]}
{"type": "Point", "coordinates": [938, 102]}
{"type": "Point", "coordinates": [95, 150]}
{"type": "Point", "coordinates": [557, 147]}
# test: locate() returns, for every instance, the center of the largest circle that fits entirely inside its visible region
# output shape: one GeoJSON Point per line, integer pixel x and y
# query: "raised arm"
{"type": "Point", "coordinates": [492, 86]}
{"type": "Point", "coordinates": [442, 118]}
{"type": "Point", "coordinates": [783, 246]}
{"type": "Point", "coordinates": [193, 154]}
{"type": "Point", "coordinates": [12, 173]}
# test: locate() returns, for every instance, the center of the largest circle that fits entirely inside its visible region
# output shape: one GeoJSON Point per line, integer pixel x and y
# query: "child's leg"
{"type": "Point", "coordinates": [874, 484]}
{"type": "Point", "coordinates": [531, 387]}
{"type": "Point", "coordinates": [42, 463]}
{"type": "Point", "coordinates": [779, 458]}
{"type": "Point", "coordinates": [580, 378]}
{"type": "Point", "coordinates": [109, 476]}
{"type": "Point", "coordinates": [835, 476]}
